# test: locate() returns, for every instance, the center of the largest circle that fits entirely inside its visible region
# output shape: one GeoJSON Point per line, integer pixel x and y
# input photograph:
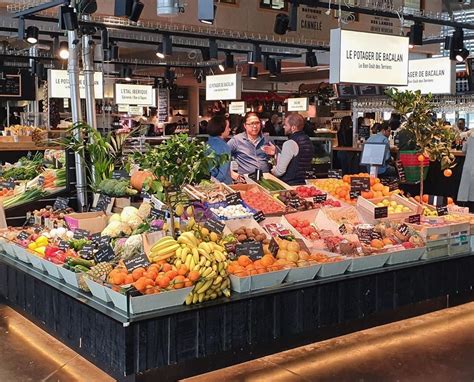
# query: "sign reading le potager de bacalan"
{"type": "Point", "coordinates": [223, 87]}
{"type": "Point", "coordinates": [368, 58]}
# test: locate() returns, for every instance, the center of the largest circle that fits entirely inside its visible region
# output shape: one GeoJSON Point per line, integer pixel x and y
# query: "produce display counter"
{"type": "Point", "coordinates": [184, 340]}
{"type": "Point", "coordinates": [25, 146]}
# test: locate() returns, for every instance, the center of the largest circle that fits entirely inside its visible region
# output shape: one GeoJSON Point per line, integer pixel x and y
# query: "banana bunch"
{"type": "Point", "coordinates": [163, 249]}
{"type": "Point", "coordinates": [210, 260]}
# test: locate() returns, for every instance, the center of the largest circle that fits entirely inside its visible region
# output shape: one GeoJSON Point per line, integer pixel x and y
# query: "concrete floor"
{"type": "Point", "coordinates": [433, 347]}
{"type": "Point", "coordinates": [27, 353]}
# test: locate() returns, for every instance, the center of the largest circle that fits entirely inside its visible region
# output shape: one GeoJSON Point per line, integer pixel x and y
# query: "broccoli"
{"type": "Point", "coordinates": [116, 188]}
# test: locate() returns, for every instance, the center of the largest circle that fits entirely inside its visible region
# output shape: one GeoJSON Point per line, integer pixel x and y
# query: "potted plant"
{"type": "Point", "coordinates": [432, 137]}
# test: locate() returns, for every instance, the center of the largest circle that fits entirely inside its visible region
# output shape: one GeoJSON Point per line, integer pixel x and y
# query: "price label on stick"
{"type": "Point", "coordinates": [354, 194]}
{"type": "Point", "coordinates": [120, 175]}
{"type": "Point", "coordinates": [23, 235]}
{"type": "Point", "coordinates": [63, 245]}
{"type": "Point", "coordinates": [88, 249]}
{"type": "Point", "coordinates": [414, 219]}
{"type": "Point", "coordinates": [158, 214]}
{"type": "Point", "coordinates": [105, 253]}
{"type": "Point", "coordinates": [234, 198]}
{"type": "Point", "coordinates": [136, 262]}
{"type": "Point", "coordinates": [273, 247]}
{"type": "Point", "coordinates": [81, 233]}
{"type": "Point", "coordinates": [60, 203]}
{"type": "Point", "coordinates": [252, 249]}
{"type": "Point", "coordinates": [259, 216]}
{"type": "Point", "coordinates": [403, 229]}
{"type": "Point", "coordinates": [335, 174]}
{"type": "Point", "coordinates": [381, 212]}
{"type": "Point", "coordinates": [360, 183]}
{"type": "Point", "coordinates": [214, 226]}
{"type": "Point", "coordinates": [442, 210]}
{"type": "Point", "coordinates": [96, 237]}
{"type": "Point", "coordinates": [320, 198]}
{"type": "Point", "coordinates": [103, 203]}
{"type": "Point", "coordinates": [343, 229]}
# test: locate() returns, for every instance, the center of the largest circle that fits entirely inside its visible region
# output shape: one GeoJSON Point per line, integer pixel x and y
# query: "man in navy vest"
{"type": "Point", "coordinates": [296, 154]}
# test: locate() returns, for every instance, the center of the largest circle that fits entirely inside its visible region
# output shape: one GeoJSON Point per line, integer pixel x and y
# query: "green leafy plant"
{"type": "Point", "coordinates": [432, 137]}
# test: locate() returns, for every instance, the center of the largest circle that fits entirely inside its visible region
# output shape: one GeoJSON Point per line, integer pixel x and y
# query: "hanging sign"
{"type": "Point", "coordinates": [297, 104]}
{"type": "Point", "coordinates": [163, 105]}
{"type": "Point", "coordinates": [238, 107]}
{"type": "Point", "coordinates": [223, 87]}
{"type": "Point", "coordinates": [130, 94]}
{"type": "Point", "coordinates": [368, 58]}
{"type": "Point", "coordinates": [58, 84]}
{"type": "Point", "coordinates": [431, 75]}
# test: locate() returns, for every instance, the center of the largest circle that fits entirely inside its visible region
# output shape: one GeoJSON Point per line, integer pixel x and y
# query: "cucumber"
{"type": "Point", "coordinates": [80, 269]}
{"type": "Point", "coordinates": [74, 261]}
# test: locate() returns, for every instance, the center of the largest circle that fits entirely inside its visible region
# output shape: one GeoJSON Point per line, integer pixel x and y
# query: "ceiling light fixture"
{"type": "Point", "coordinates": [63, 50]}
{"type": "Point", "coordinates": [207, 11]}
{"type": "Point", "coordinates": [252, 72]}
{"type": "Point", "coordinates": [416, 35]}
{"type": "Point", "coordinates": [165, 48]}
{"type": "Point", "coordinates": [311, 59]}
{"type": "Point", "coordinates": [462, 55]}
{"type": "Point", "coordinates": [221, 67]}
{"type": "Point", "coordinates": [213, 49]}
{"type": "Point", "coordinates": [68, 17]}
{"type": "Point", "coordinates": [255, 55]}
{"type": "Point", "coordinates": [126, 73]}
{"type": "Point", "coordinates": [32, 34]}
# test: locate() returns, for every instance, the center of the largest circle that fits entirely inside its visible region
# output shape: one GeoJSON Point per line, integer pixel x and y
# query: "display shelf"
{"type": "Point", "coordinates": [25, 146]}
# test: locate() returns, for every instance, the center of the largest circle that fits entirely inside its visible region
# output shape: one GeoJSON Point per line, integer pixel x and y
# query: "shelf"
{"type": "Point", "coordinates": [25, 146]}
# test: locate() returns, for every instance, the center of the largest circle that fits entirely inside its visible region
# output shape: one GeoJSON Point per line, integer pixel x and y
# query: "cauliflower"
{"type": "Point", "coordinates": [126, 229]}
{"type": "Point", "coordinates": [128, 212]}
{"type": "Point", "coordinates": [144, 210]}
{"type": "Point", "coordinates": [134, 222]}
{"type": "Point", "coordinates": [113, 229]}
{"type": "Point", "coordinates": [133, 246]}
{"type": "Point", "coordinates": [115, 218]}
{"type": "Point", "coordinates": [119, 246]}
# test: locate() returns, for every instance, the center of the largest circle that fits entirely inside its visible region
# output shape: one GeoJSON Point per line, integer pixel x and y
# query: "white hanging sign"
{"type": "Point", "coordinates": [130, 94]}
{"type": "Point", "coordinates": [58, 84]}
{"type": "Point", "coordinates": [297, 104]}
{"type": "Point", "coordinates": [238, 107]}
{"type": "Point", "coordinates": [223, 87]}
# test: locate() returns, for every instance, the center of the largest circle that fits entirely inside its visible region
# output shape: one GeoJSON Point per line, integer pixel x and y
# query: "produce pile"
{"type": "Point", "coordinates": [260, 201]}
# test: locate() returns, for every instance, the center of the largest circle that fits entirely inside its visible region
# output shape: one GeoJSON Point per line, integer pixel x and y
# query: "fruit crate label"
{"type": "Point", "coordinates": [437, 201]}
{"type": "Point", "coordinates": [259, 216]}
{"type": "Point", "coordinates": [41, 180]}
{"type": "Point", "coordinates": [88, 250]}
{"type": "Point", "coordinates": [252, 249]}
{"type": "Point", "coordinates": [401, 171]}
{"type": "Point", "coordinates": [103, 240]}
{"type": "Point", "coordinates": [320, 198]}
{"type": "Point", "coordinates": [442, 210]}
{"type": "Point", "coordinates": [414, 219]}
{"type": "Point", "coordinates": [8, 184]}
{"type": "Point", "coordinates": [335, 174]}
{"type": "Point", "coordinates": [403, 229]}
{"type": "Point", "coordinates": [354, 194]}
{"type": "Point", "coordinates": [273, 247]}
{"type": "Point", "coordinates": [343, 229]}
{"type": "Point", "coordinates": [120, 175]}
{"type": "Point", "coordinates": [381, 212]}
{"type": "Point", "coordinates": [60, 203]}
{"type": "Point", "coordinates": [233, 198]}
{"type": "Point", "coordinates": [64, 245]}
{"type": "Point", "coordinates": [23, 235]}
{"type": "Point", "coordinates": [375, 235]}
{"type": "Point", "coordinates": [360, 183]}
{"type": "Point", "coordinates": [294, 202]}
{"type": "Point", "coordinates": [157, 214]}
{"type": "Point", "coordinates": [105, 253]}
{"type": "Point", "coordinates": [256, 176]}
{"type": "Point", "coordinates": [96, 237]}
{"type": "Point", "coordinates": [102, 203]}
{"type": "Point", "coordinates": [214, 226]}
{"type": "Point", "coordinates": [81, 233]}
{"type": "Point", "coordinates": [138, 261]}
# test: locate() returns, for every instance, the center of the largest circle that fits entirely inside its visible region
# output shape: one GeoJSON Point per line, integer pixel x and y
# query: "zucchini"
{"type": "Point", "coordinates": [74, 261]}
{"type": "Point", "coordinates": [80, 269]}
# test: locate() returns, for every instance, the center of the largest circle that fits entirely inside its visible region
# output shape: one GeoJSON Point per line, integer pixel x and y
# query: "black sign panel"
{"type": "Point", "coordinates": [8, 184]}
{"type": "Point", "coordinates": [259, 216]}
{"type": "Point", "coordinates": [23, 235]}
{"type": "Point", "coordinates": [64, 245]}
{"type": "Point", "coordinates": [403, 229]}
{"type": "Point", "coordinates": [354, 194]}
{"type": "Point", "coordinates": [60, 203]}
{"type": "Point", "coordinates": [96, 237]}
{"type": "Point", "coordinates": [104, 253]}
{"type": "Point", "coordinates": [10, 86]}
{"type": "Point", "coordinates": [81, 233]}
{"type": "Point", "coordinates": [214, 226]}
{"type": "Point", "coordinates": [88, 249]}
{"type": "Point", "coordinates": [102, 203]}
{"type": "Point", "coordinates": [335, 174]}
{"type": "Point", "coordinates": [360, 183]}
{"type": "Point", "coordinates": [442, 210]}
{"type": "Point", "coordinates": [233, 198]}
{"type": "Point", "coordinates": [343, 229]}
{"type": "Point", "coordinates": [401, 171]}
{"type": "Point", "coordinates": [158, 214]}
{"type": "Point", "coordinates": [414, 219]}
{"type": "Point", "coordinates": [368, 90]}
{"type": "Point", "coordinates": [136, 262]}
{"type": "Point", "coordinates": [381, 212]}
{"type": "Point", "coordinates": [252, 249]}
{"type": "Point", "coordinates": [294, 202]}
{"type": "Point", "coordinates": [364, 132]}
{"type": "Point", "coordinates": [437, 201]}
{"type": "Point", "coordinates": [273, 247]}
{"type": "Point", "coordinates": [320, 198]}
{"type": "Point", "coordinates": [120, 175]}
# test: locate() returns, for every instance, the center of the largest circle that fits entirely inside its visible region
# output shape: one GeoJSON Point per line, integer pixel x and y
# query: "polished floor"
{"type": "Point", "coordinates": [434, 347]}
{"type": "Point", "coordinates": [27, 353]}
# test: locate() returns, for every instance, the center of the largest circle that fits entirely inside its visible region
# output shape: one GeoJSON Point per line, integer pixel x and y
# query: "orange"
{"type": "Point", "coordinates": [421, 158]}
{"type": "Point", "coordinates": [378, 187]}
{"type": "Point", "coordinates": [376, 243]}
{"type": "Point", "coordinates": [244, 260]}
{"type": "Point", "coordinates": [424, 198]}
{"type": "Point", "coordinates": [140, 284]}
{"type": "Point", "coordinates": [187, 283]}
{"type": "Point", "coordinates": [166, 267]}
{"type": "Point", "coordinates": [129, 279]}
{"type": "Point", "coordinates": [171, 274]}
{"type": "Point", "coordinates": [346, 179]}
{"type": "Point", "coordinates": [137, 273]}
{"type": "Point", "coordinates": [164, 282]}
{"type": "Point", "coordinates": [450, 200]}
{"type": "Point", "coordinates": [194, 276]}
{"type": "Point", "coordinates": [387, 241]}
{"type": "Point", "coordinates": [150, 275]}
{"type": "Point", "coordinates": [183, 269]}
{"type": "Point", "coordinates": [447, 173]}
{"type": "Point", "coordinates": [179, 282]}
{"type": "Point", "coordinates": [267, 260]}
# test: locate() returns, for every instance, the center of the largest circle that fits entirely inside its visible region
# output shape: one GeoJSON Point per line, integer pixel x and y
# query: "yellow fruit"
{"type": "Point", "coordinates": [179, 210]}
{"type": "Point", "coordinates": [41, 241]}
{"type": "Point", "coordinates": [190, 211]}
{"type": "Point", "coordinates": [293, 246]}
{"type": "Point", "coordinates": [292, 256]}
{"type": "Point", "coordinates": [32, 245]}
{"type": "Point", "coordinates": [214, 237]}
{"type": "Point", "coordinates": [204, 231]}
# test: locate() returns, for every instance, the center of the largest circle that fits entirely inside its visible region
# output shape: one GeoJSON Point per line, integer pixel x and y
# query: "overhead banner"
{"type": "Point", "coordinates": [297, 104]}
{"type": "Point", "coordinates": [58, 84]}
{"type": "Point", "coordinates": [134, 95]}
{"type": "Point", "coordinates": [431, 75]}
{"type": "Point", "coordinates": [223, 87]}
{"type": "Point", "coordinates": [368, 58]}
{"type": "Point", "coordinates": [238, 107]}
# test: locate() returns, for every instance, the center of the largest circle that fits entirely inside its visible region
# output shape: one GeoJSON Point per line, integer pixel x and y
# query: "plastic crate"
{"type": "Point", "coordinates": [412, 173]}
{"type": "Point", "coordinates": [409, 158]}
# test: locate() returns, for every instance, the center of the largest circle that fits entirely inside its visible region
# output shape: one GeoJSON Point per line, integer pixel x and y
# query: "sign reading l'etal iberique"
{"type": "Point", "coordinates": [368, 58]}
{"type": "Point", "coordinates": [130, 94]}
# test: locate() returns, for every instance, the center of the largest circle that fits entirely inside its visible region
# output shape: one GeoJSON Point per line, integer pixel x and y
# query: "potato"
{"type": "Point", "coordinates": [242, 238]}
{"type": "Point", "coordinates": [255, 231]}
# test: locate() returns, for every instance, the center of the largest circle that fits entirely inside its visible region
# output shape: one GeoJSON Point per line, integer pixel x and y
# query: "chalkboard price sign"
{"type": "Point", "coordinates": [252, 249]}
{"type": "Point", "coordinates": [214, 226]}
{"type": "Point", "coordinates": [335, 174]}
{"type": "Point", "coordinates": [136, 262]}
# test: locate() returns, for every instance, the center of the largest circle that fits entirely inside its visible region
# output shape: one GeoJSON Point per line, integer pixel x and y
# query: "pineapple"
{"type": "Point", "coordinates": [97, 272]}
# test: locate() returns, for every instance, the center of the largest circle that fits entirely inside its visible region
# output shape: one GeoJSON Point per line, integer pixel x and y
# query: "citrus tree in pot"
{"type": "Point", "coordinates": [176, 162]}
{"type": "Point", "coordinates": [432, 137]}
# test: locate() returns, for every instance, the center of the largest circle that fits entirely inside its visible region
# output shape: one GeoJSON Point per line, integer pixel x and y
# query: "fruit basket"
{"type": "Point", "coordinates": [332, 264]}
{"type": "Point", "coordinates": [363, 263]}
{"type": "Point", "coordinates": [302, 273]}
{"type": "Point", "coordinates": [405, 255]}
{"type": "Point", "coordinates": [258, 199]}
{"type": "Point", "coordinates": [146, 303]}
{"type": "Point", "coordinates": [258, 233]}
{"type": "Point", "coordinates": [398, 207]}
{"type": "Point", "coordinates": [436, 237]}
{"type": "Point", "coordinates": [224, 211]}
{"type": "Point", "coordinates": [209, 192]}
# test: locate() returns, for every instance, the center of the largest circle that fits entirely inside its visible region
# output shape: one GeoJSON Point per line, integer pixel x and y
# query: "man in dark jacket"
{"type": "Point", "coordinates": [296, 154]}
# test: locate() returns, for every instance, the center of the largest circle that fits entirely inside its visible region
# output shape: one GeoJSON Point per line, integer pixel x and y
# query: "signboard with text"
{"type": "Point", "coordinates": [368, 58]}
{"type": "Point", "coordinates": [130, 94]}
{"type": "Point", "coordinates": [297, 104]}
{"type": "Point", "coordinates": [58, 84]}
{"type": "Point", "coordinates": [223, 87]}
{"type": "Point", "coordinates": [238, 107]}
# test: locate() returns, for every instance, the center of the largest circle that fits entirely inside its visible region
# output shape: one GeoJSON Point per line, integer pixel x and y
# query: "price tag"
{"type": "Point", "coordinates": [103, 240]}
{"type": "Point", "coordinates": [401, 171]}
{"type": "Point", "coordinates": [414, 219]}
{"type": "Point", "coordinates": [157, 214]}
{"type": "Point", "coordinates": [256, 176]}
{"type": "Point", "coordinates": [343, 229]}
{"type": "Point", "coordinates": [105, 253]}
{"type": "Point", "coordinates": [88, 250]}
{"type": "Point", "coordinates": [294, 202]}
{"type": "Point", "coordinates": [376, 235]}
{"type": "Point", "coordinates": [64, 245]}
{"type": "Point", "coordinates": [320, 198]}
{"type": "Point", "coordinates": [96, 237]}
{"type": "Point", "coordinates": [252, 249]}
{"type": "Point", "coordinates": [81, 233]}
{"type": "Point", "coordinates": [259, 216]}
{"type": "Point", "coordinates": [102, 203]}
{"type": "Point", "coordinates": [120, 175]}
{"type": "Point", "coordinates": [9, 184]}
{"type": "Point", "coordinates": [61, 203]}
{"type": "Point", "coordinates": [335, 174]}
{"type": "Point", "coordinates": [23, 235]}
{"type": "Point", "coordinates": [234, 198]}
{"type": "Point", "coordinates": [381, 212]}
{"type": "Point", "coordinates": [214, 226]}
{"type": "Point", "coordinates": [136, 262]}
{"type": "Point", "coordinates": [354, 194]}
{"type": "Point", "coordinates": [360, 183]}
{"type": "Point", "coordinates": [403, 229]}
{"type": "Point", "coordinates": [41, 180]}
{"type": "Point", "coordinates": [273, 247]}
{"type": "Point", "coordinates": [146, 196]}
{"type": "Point", "coordinates": [442, 210]}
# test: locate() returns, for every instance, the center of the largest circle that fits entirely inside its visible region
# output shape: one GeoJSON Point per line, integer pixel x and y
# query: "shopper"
{"type": "Point", "coordinates": [272, 127]}
{"type": "Point", "coordinates": [466, 186]}
{"type": "Point", "coordinates": [246, 147]}
{"type": "Point", "coordinates": [461, 125]}
{"type": "Point", "coordinates": [344, 139]}
{"type": "Point", "coordinates": [218, 129]}
{"type": "Point", "coordinates": [386, 170]}
{"type": "Point", "coordinates": [296, 154]}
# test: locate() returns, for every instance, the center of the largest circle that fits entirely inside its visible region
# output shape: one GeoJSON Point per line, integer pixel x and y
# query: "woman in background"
{"type": "Point", "coordinates": [466, 187]}
{"type": "Point", "coordinates": [218, 129]}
